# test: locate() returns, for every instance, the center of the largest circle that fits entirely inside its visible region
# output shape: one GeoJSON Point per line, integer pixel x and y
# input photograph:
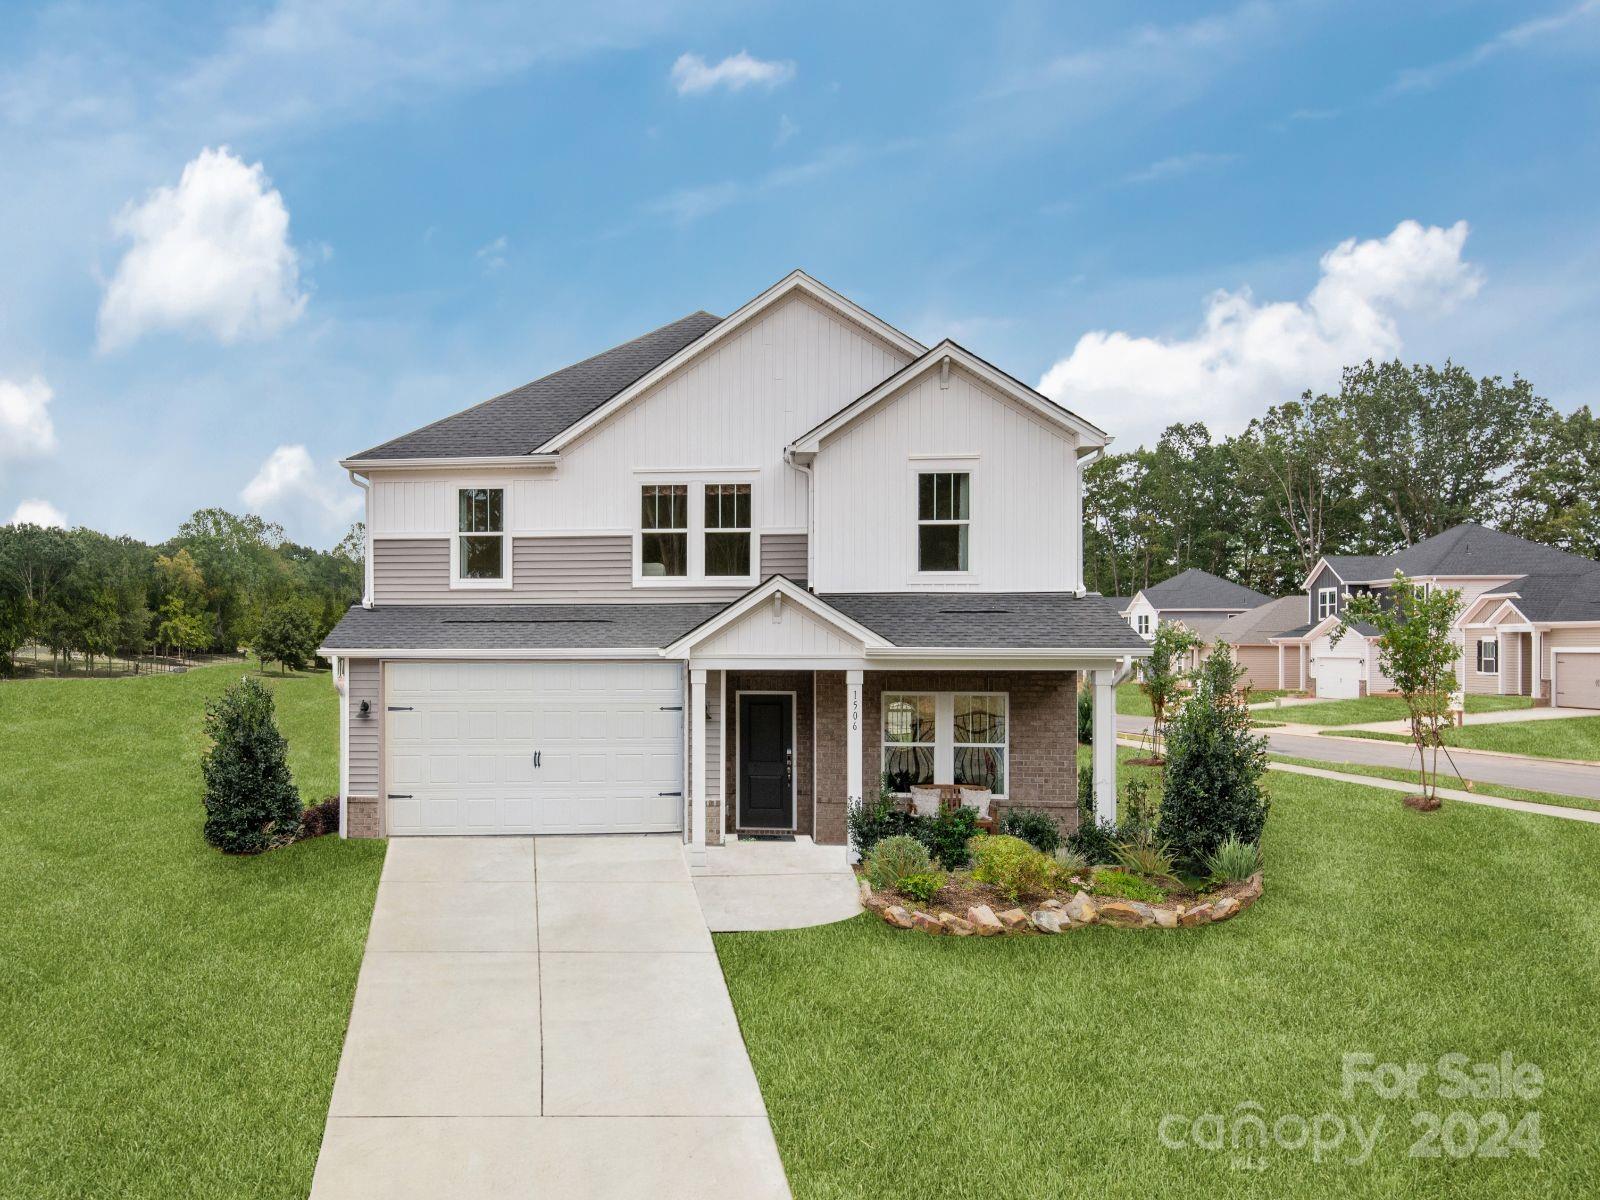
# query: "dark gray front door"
{"type": "Point", "coordinates": [766, 762]}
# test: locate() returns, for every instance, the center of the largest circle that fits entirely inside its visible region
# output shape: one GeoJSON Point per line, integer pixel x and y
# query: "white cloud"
{"type": "Point", "coordinates": [289, 488]}
{"type": "Point", "coordinates": [26, 430]}
{"type": "Point", "coordinates": [692, 75]}
{"type": "Point", "coordinates": [211, 254]}
{"type": "Point", "coordinates": [38, 512]}
{"type": "Point", "coordinates": [1178, 166]}
{"type": "Point", "coordinates": [493, 255]}
{"type": "Point", "coordinates": [1248, 355]}
{"type": "Point", "coordinates": [786, 130]}
{"type": "Point", "coordinates": [1416, 79]}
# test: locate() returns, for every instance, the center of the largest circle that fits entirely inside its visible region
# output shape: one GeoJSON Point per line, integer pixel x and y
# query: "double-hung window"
{"type": "Point", "coordinates": [1327, 602]}
{"type": "Point", "coordinates": [1488, 656]}
{"type": "Point", "coordinates": [1143, 624]}
{"type": "Point", "coordinates": [945, 737]}
{"type": "Point", "coordinates": [727, 529]}
{"type": "Point", "coordinates": [944, 520]}
{"type": "Point", "coordinates": [480, 557]}
{"type": "Point", "coordinates": [664, 530]}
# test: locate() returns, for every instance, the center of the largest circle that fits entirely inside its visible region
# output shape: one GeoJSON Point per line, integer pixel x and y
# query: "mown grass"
{"type": "Point", "coordinates": [905, 1065]}
{"type": "Point", "coordinates": [171, 1017]}
{"type": "Point", "coordinates": [1572, 738]}
{"type": "Point", "coordinates": [1446, 779]}
{"type": "Point", "coordinates": [1369, 709]}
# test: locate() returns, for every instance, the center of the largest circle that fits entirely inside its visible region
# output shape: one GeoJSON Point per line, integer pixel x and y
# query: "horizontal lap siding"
{"type": "Point", "coordinates": [365, 739]}
{"type": "Point", "coordinates": [1261, 666]}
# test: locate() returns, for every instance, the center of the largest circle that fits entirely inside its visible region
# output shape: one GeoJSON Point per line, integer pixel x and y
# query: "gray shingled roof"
{"type": "Point", "coordinates": [1466, 549]}
{"type": "Point", "coordinates": [1557, 597]}
{"type": "Point", "coordinates": [1273, 619]}
{"type": "Point", "coordinates": [1361, 566]}
{"type": "Point", "coordinates": [1195, 588]}
{"type": "Point", "coordinates": [1020, 619]}
{"type": "Point", "coordinates": [516, 626]}
{"type": "Point", "coordinates": [523, 419]}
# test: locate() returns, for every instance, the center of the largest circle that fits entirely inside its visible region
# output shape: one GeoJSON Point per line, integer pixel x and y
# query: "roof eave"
{"type": "Point", "coordinates": [450, 464]}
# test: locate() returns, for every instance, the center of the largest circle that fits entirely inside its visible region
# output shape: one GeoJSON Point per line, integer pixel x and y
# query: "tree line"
{"type": "Point", "coordinates": [1398, 454]}
{"type": "Point", "coordinates": [223, 583]}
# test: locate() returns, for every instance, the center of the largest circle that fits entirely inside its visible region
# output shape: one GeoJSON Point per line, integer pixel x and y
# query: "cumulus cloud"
{"type": "Point", "coordinates": [692, 75]}
{"type": "Point", "coordinates": [289, 488]}
{"type": "Point", "coordinates": [1247, 355]}
{"type": "Point", "coordinates": [38, 512]}
{"type": "Point", "coordinates": [26, 430]}
{"type": "Point", "coordinates": [210, 255]}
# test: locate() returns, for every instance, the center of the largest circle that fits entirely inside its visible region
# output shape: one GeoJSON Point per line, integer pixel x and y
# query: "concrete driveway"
{"type": "Point", "coordinates": [543, 1018]}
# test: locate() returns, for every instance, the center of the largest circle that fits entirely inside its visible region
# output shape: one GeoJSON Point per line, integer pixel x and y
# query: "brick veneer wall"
{"type": "Point", "coordinates": [1043, 764]}
{"type": "Point", "coordinates": [798, 682]}
{"type": "Point", "coordinates": [362, 816]}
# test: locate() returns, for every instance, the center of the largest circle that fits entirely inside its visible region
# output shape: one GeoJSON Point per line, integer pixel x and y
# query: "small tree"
{"type": "Point", "coordinates": [250, 798]}
{"type": "Point", "coordinates": [1416, 651]}
{"type": "Point", "coordinates": [288, 636]}
{"type": "Point", "coordinates": [1161, 676]}
{"type": "Point", "coordinates": [1212, 789]}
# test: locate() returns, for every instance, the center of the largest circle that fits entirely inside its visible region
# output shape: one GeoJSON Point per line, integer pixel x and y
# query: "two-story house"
{"type": "Point", "coordinates": [728, 577]}
{"type": "Point", "coordinates": [1529, 617]}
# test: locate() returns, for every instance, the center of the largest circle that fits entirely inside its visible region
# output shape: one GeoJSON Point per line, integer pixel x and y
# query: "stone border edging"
{"type": "Point", "coordinates": [1054, 916]}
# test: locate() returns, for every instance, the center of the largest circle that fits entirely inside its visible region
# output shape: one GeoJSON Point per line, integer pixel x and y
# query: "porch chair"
{"type": "Point", "coordinates": [928, 800]}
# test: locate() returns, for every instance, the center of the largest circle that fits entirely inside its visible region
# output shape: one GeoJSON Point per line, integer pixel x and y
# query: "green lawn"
{"type": "Point", "coordinates": [1575, 738]}
{"type": "Point", "coordinates": [1385, 708]}
{"type": "Point", "coordinates": [1405, 775]}
{"type": "Point", "coordinates": [902, 1065]}
{"type": "Point", "coordinates": [1132, 702]}
{"type": "Point", "coordinates": [171, 1017]}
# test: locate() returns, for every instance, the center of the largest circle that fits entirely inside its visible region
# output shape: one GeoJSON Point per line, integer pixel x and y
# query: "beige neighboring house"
{"type": "Point", "coordinates": [1529, 624]}
{"type": "Point", "coordinates": [1267, 665]}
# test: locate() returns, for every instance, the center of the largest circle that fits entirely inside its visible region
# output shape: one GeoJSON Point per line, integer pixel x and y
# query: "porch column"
{"type": "Point", "coordinates": [852, 753]}
{"type": "Point", "coordinates": [1105, 746]}
{"type": "Point", "coordinates": [1500, 662]}
{"type": "Point", "coordinates": [1282, 686]}
{"type": "Point", "coordinates": [697, 772]}
{"type": "Point", "coordinates": [1535, 684]}
{"type": "Point", "coordinates": [1305, 667]}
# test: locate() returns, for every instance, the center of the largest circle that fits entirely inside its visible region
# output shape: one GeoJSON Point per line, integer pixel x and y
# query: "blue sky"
{"type": "Point", "coordinates": [237, 245]}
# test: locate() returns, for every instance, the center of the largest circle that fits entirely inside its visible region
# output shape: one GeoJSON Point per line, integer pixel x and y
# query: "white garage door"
{"type": "Point", "coordinates": [533, 747]}
{"type": "Point", "coordinates": [1338, 678]}
{"type": "Point", "coordinates": [1577, 682]}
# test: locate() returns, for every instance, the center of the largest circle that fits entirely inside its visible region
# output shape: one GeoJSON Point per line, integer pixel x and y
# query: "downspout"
{"type": "Point", "coordinates": [1083, 463]}
{"type": "Point", "coordinates": [811, 516]}
{"type": "Point", "coordinates": [365, 485]}
{"type": "Point", "coordinates": [340, 669]}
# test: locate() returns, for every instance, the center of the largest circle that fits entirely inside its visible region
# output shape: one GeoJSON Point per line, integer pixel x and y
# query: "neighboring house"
{"type": "Point", "coordinates": [1200, 600]}
{"type": "Point", "coordinates": [1267, 665]}
{"type": "Point", "coordinates": [1529, 613]}
{"type": "Point", "coordinates": [726, 577]}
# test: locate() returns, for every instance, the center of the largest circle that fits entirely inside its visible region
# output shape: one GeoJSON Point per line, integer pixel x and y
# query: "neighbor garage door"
{"type": "Point", "coordinates": [533, 747]}
{"type": "Point", "coordinates": [1338, 678]}
{"type": "Point", "coordinates": [1577, 682]}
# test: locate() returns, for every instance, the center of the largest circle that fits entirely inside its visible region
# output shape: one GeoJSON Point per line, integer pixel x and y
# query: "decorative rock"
{"type": "Point", "coordinates": [897, 916]}
{"type": "Point", "coordinates": [1251, 890]}
{"type": "Point", "coordinates": [1051, 903]}
{"type": "Point", "coordinates": [866, 892]}
{"type": "Point", "coordinates": [1200, 914]}
{"type": "Point", "coordinates": [1127, 912]}
{"type": "Point", "coordinates": [1166, 918]}
{"type": "Point", "coordinates": [984, 921]}
{"type": "Point", "coordinates": [1224, 908]}
{"type": "Point", "coordinates": [954, 924]}
{"type": "Point", "coordinates": [1082, 910]}
{"type": "Point", "coordinates": [1013, 918]}
{"type": "Point", "coordinates": [922, 921]}
{"type": "Point", "coordinates": [1046, 920]}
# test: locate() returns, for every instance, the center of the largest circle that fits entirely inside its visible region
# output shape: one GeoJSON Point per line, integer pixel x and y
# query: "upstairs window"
{"type": "Point", "coordinates": [664, 530]}
{"type": "Point", "coordinates": [1327, 602]}
{"type": "Point", "coordinates": [727, 529]}
{"type": "Point", "coordinates": [481, 535]}
{"type": "Point", "coordinates": [1488, 656]}
{"type": "Point", "coordinates": [944, 520]}
{"type": "Point", "coordinates": [1143, 624]}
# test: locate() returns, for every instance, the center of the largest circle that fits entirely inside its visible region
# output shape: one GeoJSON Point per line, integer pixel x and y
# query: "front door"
{"type": "Point", "coordinates": [766, 761]}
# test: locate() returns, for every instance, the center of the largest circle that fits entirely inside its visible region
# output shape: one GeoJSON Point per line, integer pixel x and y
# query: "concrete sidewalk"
{"type": "Point", "coordinates": [1506, 716]}
{"type": "Point", "coordinates": [543, 1018]}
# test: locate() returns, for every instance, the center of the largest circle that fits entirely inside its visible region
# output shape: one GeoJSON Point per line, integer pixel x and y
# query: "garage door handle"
{"type": "Point", "coordinates": [400, 708]}
{"type": "Point", "coordinates": [400, 795]}
{"type": "Point", "coordinates": [669, 793]}
{"type": "Point", "coordinates": [536, 754]}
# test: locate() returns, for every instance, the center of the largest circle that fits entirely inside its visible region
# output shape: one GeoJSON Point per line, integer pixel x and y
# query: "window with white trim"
{"type": "Point", "coordinates": [727, 536]}
{"type": "Point", "coordinates": [1142, 624]}
{"type": "Point", "coordinates": [944, 520]}
{"type": "Point", "coordinates": [1327, 602]}
{"type": "Point", "coordinates": [1488, 656]}
{"type": "Point", "coordinates": [946, 737]}
{"type": "Point", "coordinates": [664, 530]}
{"type": "Point", "coordinates": [480, 535]}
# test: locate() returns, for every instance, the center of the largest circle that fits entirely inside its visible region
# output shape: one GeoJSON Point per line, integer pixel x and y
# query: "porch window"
{"type": "Point", "coordinates": [979, 731]}
{"type": "Point", "coordinates": [1488, 656]}
{"type": "Point", "coordinates": [664, 530]}
{"type": "Point", "coordinates": [944, 520]}
{"type": "Point", "coordinates": [1327, 602]}
{"type": "Point", "coordinates": [908, 740]}
{"type": "Point", "coordinates": [728, 529]}
{"type": "Point", "coordinates": [480, 525]}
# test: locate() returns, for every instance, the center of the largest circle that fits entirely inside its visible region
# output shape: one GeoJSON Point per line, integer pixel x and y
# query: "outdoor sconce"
{"type": "Point", "coordinates": [366, 709]}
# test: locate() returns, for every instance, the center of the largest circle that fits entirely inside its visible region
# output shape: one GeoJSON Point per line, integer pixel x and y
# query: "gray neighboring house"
{"type": "Point", "coordinates": [1251, 634]}
{"type": "Point", "coordinates": [1200, 600]}
{"type": "Point", "coordinates": [725, 579]}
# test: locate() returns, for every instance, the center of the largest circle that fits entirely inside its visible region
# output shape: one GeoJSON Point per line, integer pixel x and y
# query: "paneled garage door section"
{"type": "Point", "coordinates": [533, 748]}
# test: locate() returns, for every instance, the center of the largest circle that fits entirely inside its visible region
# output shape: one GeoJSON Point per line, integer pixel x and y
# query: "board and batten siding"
{"type": "Point", "coordinates": [366, 750]}
{"type": "Point", "coordinates": [1023, 483]}
{"type": "Point", "coordinates": [555, 570]}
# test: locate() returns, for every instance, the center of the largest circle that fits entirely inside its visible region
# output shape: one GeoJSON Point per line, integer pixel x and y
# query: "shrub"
{"type": "Point", "coordinates": [1094, 842]}
{"type": "Point", "coordinates": [1085, 717]}
{"type": "Point", "coordinates": [1036, 828]}
{"type": "Point", "coordinates": [893, 858]}
{"type": "Point", "coordinates": [1070, 861]}
{"type": "Point", "coordinates": [1214, 766]}
{"type": "Point", "coordinates": [250, 799]}
{"type": "Point", "coordinates": [1143, 855]}
{"type": "Point", "coordinates": [1233, 861]}
{"type": "Point", "coordinates": [318, 819]}
{"type": "Point", "coordinates": [1012, 865]}
{"type": "Point", "coordinates": [1139, 809]}
{"type": "Point", "coordinates": [1126, 887]}
{"type": "Point", "coordinates": [923, 886]}
{"type": "Point", "coordinates": [946, 836]}
{"type": "Point", "coordinates": [871, 823]}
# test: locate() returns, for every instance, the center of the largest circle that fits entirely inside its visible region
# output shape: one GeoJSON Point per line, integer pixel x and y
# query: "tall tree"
{"type": "Point", "coordinates": [1553, 493]}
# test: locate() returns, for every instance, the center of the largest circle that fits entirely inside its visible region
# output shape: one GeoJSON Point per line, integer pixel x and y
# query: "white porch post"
{"type": "Point", "coordinates": [1281, 685]}
{"type": "Point", "coordinates": [852, 754]}
{"type": "Point", "coordinates": [1535, 684]}
{"type": "Point", "coordinates": [1500, 662]}
{"type": "Point", "coordinates": [1105, 746]}
{"type": "Point", "coordinates": [697, 772]}
{"type": "Point", "coordinates": [1305, 667]}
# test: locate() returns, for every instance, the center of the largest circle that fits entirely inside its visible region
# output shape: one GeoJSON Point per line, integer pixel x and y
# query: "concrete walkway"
{"type": "Point", "coordinates": [776, 885]}
{"type": "Point", "coordinates": [543, 1018]}
{"type": "Point", "coordinates": [1504, 716]}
